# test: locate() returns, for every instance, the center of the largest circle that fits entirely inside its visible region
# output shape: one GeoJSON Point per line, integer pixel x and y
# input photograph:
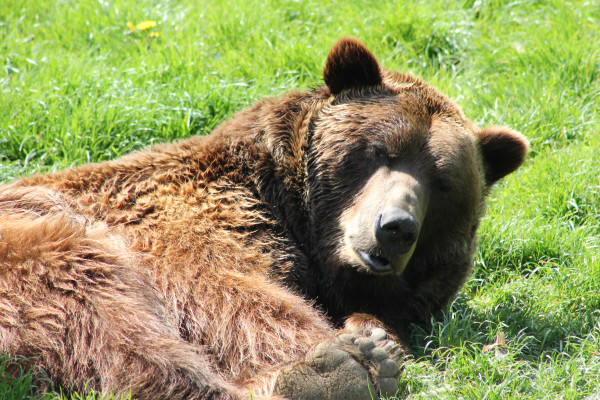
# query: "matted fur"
{"type": "Point", "coordinates": [198, 269]}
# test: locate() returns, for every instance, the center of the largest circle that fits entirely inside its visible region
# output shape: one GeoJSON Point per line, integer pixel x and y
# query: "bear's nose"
{"type": "Point", "coordinates": [397, 230]}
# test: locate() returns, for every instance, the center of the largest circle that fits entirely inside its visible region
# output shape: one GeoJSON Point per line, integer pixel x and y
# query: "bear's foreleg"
{"type": "Point", "coordinates": [274, 342]}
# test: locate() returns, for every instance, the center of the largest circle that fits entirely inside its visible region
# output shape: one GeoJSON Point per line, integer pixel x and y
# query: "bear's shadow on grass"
{"type": "Point", "coordinates": [527, 336]}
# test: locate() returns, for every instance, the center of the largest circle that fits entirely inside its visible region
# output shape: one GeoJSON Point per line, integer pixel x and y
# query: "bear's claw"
{"type": "Point", "coordinates": [353, 366]}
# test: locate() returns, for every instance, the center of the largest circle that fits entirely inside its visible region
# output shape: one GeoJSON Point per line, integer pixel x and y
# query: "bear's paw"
{"type": "Point", "coordinates": [353, 366]}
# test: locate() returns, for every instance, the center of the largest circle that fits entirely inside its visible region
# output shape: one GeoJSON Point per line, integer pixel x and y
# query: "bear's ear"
{"type": "Point", "coordinates": [503, 151]}
{"type": "Point", "coordinates": [350, 65]}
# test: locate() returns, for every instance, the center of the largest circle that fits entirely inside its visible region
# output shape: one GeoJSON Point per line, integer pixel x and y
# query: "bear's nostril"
{"type": "Point", "coordinates": [396, 229]}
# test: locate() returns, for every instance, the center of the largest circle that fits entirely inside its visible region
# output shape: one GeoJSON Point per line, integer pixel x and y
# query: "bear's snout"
{"type": "Point", "coordinates": [382, 227]}
{"type": "Point", "coordinates": [396, 230]}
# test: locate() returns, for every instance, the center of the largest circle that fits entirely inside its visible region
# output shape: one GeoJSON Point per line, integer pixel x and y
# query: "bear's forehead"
{"type": "Point", "coordinates": [386, 117]}
{"type": "Point", "coordinates": [406, 129]}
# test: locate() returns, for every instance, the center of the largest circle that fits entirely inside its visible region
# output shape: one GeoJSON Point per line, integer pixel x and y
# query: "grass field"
{"type": "Point", "coordinates": [79, 84]}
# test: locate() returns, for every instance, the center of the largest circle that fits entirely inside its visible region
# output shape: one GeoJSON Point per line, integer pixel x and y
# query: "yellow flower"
{"type": "Point", "coordinates": [130, 25]}
{"type": "Point", "coordinates": [142, 26]}
{"type": "Point", "coordinates": [154, 34]}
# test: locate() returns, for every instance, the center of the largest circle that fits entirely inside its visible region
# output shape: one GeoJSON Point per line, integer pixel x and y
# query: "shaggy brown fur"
{"type": "Point", "coordinates": [203, 269]}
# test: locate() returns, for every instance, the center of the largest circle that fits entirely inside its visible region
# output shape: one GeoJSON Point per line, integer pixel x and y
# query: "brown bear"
{"type": "Point", "coordinates": [283, 256]}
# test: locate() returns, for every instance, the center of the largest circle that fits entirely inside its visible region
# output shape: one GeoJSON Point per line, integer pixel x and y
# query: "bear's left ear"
{"type": "Point", "coordinates": [503, 151]}
{"type": "Point", "coordinates": [350, 65]}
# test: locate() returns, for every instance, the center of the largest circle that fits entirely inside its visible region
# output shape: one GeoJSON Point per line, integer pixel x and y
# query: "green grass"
{"type": "Point", "coordinates": [77, 86]}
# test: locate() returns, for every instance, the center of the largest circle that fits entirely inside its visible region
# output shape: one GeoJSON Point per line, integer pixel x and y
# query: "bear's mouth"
{"type": "Point", "coordinates": [376, 263]}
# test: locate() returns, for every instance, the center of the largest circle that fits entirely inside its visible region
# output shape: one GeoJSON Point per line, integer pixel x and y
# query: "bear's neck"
{"type": "Point", "coordinates": [278, 130]}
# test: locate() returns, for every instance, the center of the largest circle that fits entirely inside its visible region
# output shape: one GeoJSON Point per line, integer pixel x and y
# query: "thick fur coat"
{"type": "Point", "coordinates": [212, 267]}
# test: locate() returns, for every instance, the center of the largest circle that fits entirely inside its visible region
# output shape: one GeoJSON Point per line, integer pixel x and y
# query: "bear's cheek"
{"type": "Point", "coordinates": [452, 216]}
{"type": "Point", "coordinates": [457, 185]}
{"type": "Point", "coordinates": [380, 229]}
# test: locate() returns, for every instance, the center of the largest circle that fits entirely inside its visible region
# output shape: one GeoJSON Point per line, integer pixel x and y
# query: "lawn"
{"type": "Point", "coordinates": [88, 80]}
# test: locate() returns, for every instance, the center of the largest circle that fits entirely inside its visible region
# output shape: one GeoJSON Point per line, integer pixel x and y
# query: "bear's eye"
{"type": "Point", "coordinates": [444, 184]}
{"type": "Point", "coordinates": [378, 150]}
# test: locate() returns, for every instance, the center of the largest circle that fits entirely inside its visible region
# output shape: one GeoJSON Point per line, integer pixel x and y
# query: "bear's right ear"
{"type": "Point", "coordinates": [503, 151]}
{"type": "Point", "coordinates": [350, 65]}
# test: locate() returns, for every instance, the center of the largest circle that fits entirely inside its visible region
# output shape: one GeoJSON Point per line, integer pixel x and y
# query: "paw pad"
{"type": "Point", "coordinates": [350, 367]}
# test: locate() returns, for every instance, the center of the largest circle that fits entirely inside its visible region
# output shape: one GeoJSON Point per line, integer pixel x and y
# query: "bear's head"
{"type": "Point", "coordinates": [381, 179]}
{"type": "Point", "coordinates": [396, 174]}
